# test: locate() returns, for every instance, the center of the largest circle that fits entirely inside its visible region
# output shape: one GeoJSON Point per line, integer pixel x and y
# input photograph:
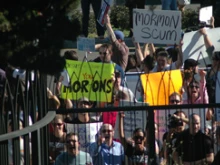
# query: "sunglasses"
{"type": "Point", "coordinates": [108, 131]}
{"type": "Point", "coordinates": [58, 124]}
{"type": "Point", "coordinates": [71, 141]}
{"type": "Point", "coordinates": [104, 53]}
{"type": "Point", "coordinates": [194, 86]}
{"type": "Point", "coordinates": [85, 102]}
{"type": "Point", "coordinates": [175, 101]}
{"type": "Point", "coordinates": [139, 137]}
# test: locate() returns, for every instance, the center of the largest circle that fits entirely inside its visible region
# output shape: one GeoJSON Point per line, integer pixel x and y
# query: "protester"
{"type": "Point", "coordinates": [106, 151]}
{"type": "Point", "coordinates": [169, 4]}
{"type": "Point", "coordinates": [192, 146]}
{"type": "Point", "coordinates": [162, 61]}
{"type": "Point", "coordinates": [57, 137]}
{"type": "Point", "coordinates": [135, 147]}
{"type": "Point", "coordinates": [120, 51]}
{"type": "Point", "coordinates": [73, 155]}
{"type": "Point", "coordinates": [84, 117]}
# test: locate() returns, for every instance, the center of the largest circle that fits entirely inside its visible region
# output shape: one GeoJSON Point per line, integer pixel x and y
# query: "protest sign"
{"type": "Point", "coordinates": [157, 26]}
{"type": "Point", "coordinates": [205, 14]}
{"type": "Point", "coordinates": [194, 45]}
{"type": "Point", "coordinates": [86, 44]}
{"type": "Point", "coordinates": [103, 11]}
{"type": "Point", "coordinates": [89, 79]}
{"type": "Point", "coordinates": [158, 86]}
{"type": "Point", "coordinates": [87, 133]}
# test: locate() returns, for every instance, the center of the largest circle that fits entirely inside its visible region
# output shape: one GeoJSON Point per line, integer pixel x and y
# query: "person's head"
{"type": "Point", "coordinates": [139, 137]}
{"type": "Point", "coordinates": [105, 53]}
{"type": "Point", "coordinates": [148, 63]}
{"type": "Point", "coordinates": [193, 89]}
{"type": "Point", "coordinates": [175, 99]}
{"type": "Point", "coordinates": [119, 35]}
{"type": "Point", "coordinates": [71, 55]}
{"type": "Point", "coordinates": [72, 143]}
{"type": "Point", "coordinates": [132, 61]}
{"type": "Point", "coordinates": [191, 65]}
{"type": "Point", "coordinates": [194, 124]}
{"type": "Point", "coordinates": [216, 59]}
{"type": "Point", "coordinates": [58, 124]}
{"type": "Point", "coordinates": [180, 124]}
{"type": "Point", "coordinates": [84, 102]}
{"type": "Point", "coordinates": [10, 125]}
{"type": "Point", "coordinates": [107, 132]}
{"type": "Point", "coordinates": [162, 60]}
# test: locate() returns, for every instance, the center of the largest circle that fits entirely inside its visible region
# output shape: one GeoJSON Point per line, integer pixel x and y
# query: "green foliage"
{"type": "Point", "coordinates": [120, 17]}
{"type": "Point", "coordinates": [32, 32]}
{"type": "Point", "coordinates": [190, 19]}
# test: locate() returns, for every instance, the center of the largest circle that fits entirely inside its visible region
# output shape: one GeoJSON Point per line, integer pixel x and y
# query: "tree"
{"type": "Point", "coordinates": [32, 33]}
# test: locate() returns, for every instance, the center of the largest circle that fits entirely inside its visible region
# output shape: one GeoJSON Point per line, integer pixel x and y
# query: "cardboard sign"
{"type": "Point", "coordinates": [194, 45]}
{"type": "Point", "coordinates": [86, 44]}
{"type": "Point", "coordinates": [87, 133]}
{"type": "Point", "coordinates": [158, 86]}
{"type": "Point", "coordinates": [89, 79]}
{"type": "Point", "coordinates": [157, 26]}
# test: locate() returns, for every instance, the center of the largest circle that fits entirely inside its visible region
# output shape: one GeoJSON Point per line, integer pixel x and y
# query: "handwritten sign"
{"type": "Point", "coordinates": [89, 79]}
{"type": "Point", "coordinates": [86, 44]}
{"type": "Point", "coordinates": [158, 86]}
{"type": "Point", "coordinates": [157, 26]}
{"type": "Point", "coordinates": [86, 132]}
{"type": "Point", "coordinates": [194, 45]}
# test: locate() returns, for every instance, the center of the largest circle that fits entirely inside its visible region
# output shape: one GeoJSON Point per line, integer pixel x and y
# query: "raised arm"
{"type": "Point", "coordinates": [207, 40]}
{"type": "Point", "coordinates": [110, 31]}
{"type": "Point", "coordinates": [138, 51]}
{"type": "Point", "coordinates": [121, 128]}
{"type": "Point", "coordinates": [179, 61]}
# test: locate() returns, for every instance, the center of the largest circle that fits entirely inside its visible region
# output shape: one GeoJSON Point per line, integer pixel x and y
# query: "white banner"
{"type": "Point", "coordinates": [157, 26]}
{"type": "Point", "coordinates": [194, 46]}
{"type": "Point", "coordinates": [87, 133]}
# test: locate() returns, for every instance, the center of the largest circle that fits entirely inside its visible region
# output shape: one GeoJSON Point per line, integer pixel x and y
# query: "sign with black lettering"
{"type": "Point", "coordinates": [89, 79]}
{"type": "Point", "coordinates": [157, 26]}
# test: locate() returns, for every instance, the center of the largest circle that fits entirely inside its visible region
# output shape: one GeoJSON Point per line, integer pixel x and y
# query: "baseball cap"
{"type": "Point", "coordinates": [119, 34]}
{"type": "Point", "coordinates": [190, 63]}
{"type": "Point", "coordinates": [83, 99]}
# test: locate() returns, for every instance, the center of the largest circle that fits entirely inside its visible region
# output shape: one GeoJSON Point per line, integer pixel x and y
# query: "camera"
{"type": "Point", "coordinates": [203, 24]}
{"type": "Point", "coordinates": [173, 122]}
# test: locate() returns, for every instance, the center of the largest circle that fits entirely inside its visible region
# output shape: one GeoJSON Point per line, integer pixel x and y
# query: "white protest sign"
{"type": "Point", "coordinates": [86, 132]}
{"type": "Point", "coordinates": [103, 11]}
{"type": "Point", "coordinates": [217, 96]}
{"type": "Point", "coordinates": [86, 44]}
{"type": "Point", "coordinates": [157, 26]}
{"type": "Point", "coordinates": [194, 45]}
{"type": "Point", "coordinates": [205, 14]}
{"type": "Point", "coordinates": [132, 120]}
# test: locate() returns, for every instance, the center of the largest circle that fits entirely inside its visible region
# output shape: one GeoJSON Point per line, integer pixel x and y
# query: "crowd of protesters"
{"type": "Point", "coordinates": [186, 140]}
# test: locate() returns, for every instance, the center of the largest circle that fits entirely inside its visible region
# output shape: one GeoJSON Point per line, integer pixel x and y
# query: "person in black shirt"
{"type": "Point", "coordinates": [192, 146]}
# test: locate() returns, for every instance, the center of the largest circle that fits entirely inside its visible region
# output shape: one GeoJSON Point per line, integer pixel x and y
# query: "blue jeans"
{"type": "Point", "coordinates": [169, 5]}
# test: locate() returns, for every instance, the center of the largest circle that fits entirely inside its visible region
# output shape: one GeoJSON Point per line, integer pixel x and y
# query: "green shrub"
{"type": "Point", "coordinates": [120, 17]}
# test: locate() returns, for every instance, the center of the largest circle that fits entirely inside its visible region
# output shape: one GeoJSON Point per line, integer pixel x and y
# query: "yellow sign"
{"type": "Point", "coordinates": [89, 79]}
{"type": "Point", "coordinates": [158, 86]}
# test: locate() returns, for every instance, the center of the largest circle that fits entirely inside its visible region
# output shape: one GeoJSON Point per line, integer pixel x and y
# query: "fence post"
{"type": "Point", "coordinates": [151, 138]}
